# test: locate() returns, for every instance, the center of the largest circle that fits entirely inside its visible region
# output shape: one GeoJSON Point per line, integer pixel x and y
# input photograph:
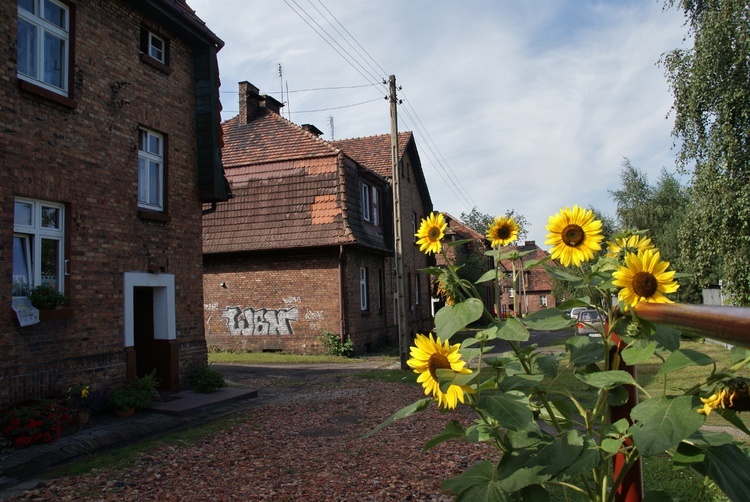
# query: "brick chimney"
{"type": "Point", "coordinates": [252, 102]}
{"type": "Point", "coordinates": [312, 129]}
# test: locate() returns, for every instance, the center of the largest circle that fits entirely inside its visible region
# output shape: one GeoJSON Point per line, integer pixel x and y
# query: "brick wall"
{"type": "Point", "coordinates": [86, 158]}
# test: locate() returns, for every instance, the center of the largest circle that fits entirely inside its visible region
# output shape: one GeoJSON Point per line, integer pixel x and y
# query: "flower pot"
{"type": "Point", "coordinates": [124, 412]}
{"type": "Point", "coordinates": [81, 416]}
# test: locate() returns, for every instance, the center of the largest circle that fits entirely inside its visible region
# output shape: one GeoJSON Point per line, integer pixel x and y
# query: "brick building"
{"type": "Point", "coordinates": [110, 149]}
{"type": "Point", "coordinates": [305, 244]}
{"type": "Point", "coordinates": [532, 289]}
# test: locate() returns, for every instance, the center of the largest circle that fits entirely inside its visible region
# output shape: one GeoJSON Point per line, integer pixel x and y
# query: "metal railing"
{"type": "Point", "coordinates": [726, 324]}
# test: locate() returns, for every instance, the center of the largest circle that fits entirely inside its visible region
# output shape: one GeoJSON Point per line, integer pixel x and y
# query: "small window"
{"type": "Point", "coordinates": [156, 48]}
{"type": "Point", "coordinates": [150, 170]}
{"type": "Point", "coordinates": [44, 44]}
{"type": "Point", "coordinates": [366, 202]}
{"type": "Point", "coordinates": [543, 300]}
{"type": "Point", "coordinates": [511, 293]}
{"type": "Point", "coordinates": [416, 289]}
{"type": "Point", "coordinates": [363, 304]}
{"type": "Point", "coordinates": [375, 207]}
{"type": "Point", "coordinates": [38, 237]}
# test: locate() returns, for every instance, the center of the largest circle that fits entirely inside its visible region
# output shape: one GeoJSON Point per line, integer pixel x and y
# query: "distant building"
{"type": "Point", "coordinates": [532, 289]}
{"type": "Point", "coordinates": [306, 244]}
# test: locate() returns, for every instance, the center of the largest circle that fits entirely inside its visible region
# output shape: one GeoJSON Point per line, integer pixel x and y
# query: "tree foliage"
{"type": "Point", "coordinates": [712, 125]}
{"type": "Point", "coordinates": [479, 222]}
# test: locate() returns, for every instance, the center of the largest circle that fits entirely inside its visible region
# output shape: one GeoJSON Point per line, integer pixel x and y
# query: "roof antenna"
{"type": "Point", "coordinates": [330, 124]}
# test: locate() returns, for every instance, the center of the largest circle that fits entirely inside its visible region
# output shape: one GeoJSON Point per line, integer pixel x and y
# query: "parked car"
{"type": "Point", "coordinates": [573, 313]}
{"type": "Point", "coordinates": [589, 323]}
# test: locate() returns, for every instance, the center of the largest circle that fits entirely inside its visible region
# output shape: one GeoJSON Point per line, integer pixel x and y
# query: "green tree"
{"type": "Point", "coordinates": [712, 125]}
{"type": "Point", "coordinates": [480, 221]}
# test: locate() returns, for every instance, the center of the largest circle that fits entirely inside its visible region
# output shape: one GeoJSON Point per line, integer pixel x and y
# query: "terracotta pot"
{"type": "Point", "coordinates": [82, 416]}
{"type": "Point", "coordinates": [125, 413]}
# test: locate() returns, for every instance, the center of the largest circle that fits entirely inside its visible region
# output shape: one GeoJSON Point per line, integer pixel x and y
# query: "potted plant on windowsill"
{"type": "Point", "coordinates": [50, 302]}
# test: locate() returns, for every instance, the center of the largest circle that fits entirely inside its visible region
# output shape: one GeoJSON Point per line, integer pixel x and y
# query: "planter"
{"type": "Point", "coordinates": [124, 412]}
{"type": "Point", "coordinates": [81, 416]}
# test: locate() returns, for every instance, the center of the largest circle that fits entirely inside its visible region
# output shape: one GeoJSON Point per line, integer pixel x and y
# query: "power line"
{"type": "Point", "coordinates": [335, 88]}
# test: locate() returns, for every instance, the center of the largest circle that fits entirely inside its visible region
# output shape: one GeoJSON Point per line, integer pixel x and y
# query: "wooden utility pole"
{"type": "Point", "coordinates": [403, 335]}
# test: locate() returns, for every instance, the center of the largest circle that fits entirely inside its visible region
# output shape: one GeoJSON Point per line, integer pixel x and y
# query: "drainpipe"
{"type": "Point", "coordinates": [342, 292]}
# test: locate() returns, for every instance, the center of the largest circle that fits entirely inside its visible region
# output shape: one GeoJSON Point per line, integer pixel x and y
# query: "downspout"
{"type": "Point", "coordinates": [342, 292]}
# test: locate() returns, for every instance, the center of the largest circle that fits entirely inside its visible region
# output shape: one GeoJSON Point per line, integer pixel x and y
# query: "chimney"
{"type": "Point", "coordinates": [312, 129]}
{"type": "Point", "coordinates": [252, 103]}
{"type": "Point", "coordinates": [249, 102]}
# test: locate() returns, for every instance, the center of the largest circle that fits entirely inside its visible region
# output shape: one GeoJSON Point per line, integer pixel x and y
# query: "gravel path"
{"type": "Point", "coordinates": [301, 441]}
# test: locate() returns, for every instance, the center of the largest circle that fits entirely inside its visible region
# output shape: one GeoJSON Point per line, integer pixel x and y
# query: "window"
{"type": "Point", "coordinates": [511, 293]}
{"type": "Point", "coordinates": [416, 289]}
{"type": "Point", "coordinates": [542, 300]}
{"type": "Point", "coordinates": [156, 48]}
{"type": "Point", "coordinates": [37, 245]}
{"type": "Point", "coordinates": [375, 206]}
{"type": "Point", "coordinates": [366, 202]}
{"type": "Point", "coordinates": [363, 305]}
{"type": "Point", "coordinates": [414, 226]}
{"type": "Point", "coordinates": [44, 44]}
{"type": "Point", "coordinates": [380, 290]}
{"type": "Point", "coordinates": [150, 170]}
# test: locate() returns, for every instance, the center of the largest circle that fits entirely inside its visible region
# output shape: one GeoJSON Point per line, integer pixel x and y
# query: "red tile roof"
{"type": "Point", "coordinates": [374, 152]}
{"type": "Point", "coordinates": [288, 188]}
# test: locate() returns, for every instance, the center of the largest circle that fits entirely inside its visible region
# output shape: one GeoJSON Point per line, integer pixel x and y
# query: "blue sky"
{"type": "Point", "coordinates": [527, 105]}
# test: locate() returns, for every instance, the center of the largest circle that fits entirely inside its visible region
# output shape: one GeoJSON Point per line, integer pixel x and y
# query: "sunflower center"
{"type": "Point", "coordinates": [644, 284]}
{"type": "Point", "coordinates": [436, 362]}
{"type": "Point", "coordinates": [434, 234]}
{"type": "Point", "coordinates": [503, 232]}
{"type": "Point", "coordinates": [573, 235]}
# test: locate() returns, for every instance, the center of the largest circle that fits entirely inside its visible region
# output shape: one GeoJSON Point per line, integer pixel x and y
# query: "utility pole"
{"type": "Point", "coordinates": [403, 335]}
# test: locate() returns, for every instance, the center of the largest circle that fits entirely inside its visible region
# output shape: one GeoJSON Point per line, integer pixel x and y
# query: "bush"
{"type": "Point", "coordinates": [207, 380]}
{"type": "Point", "coordinates": [334, 346]}
{"type": "Point", "coordinates": [39, 422]}
{"type": "Point", "coordinates": [137, 394]}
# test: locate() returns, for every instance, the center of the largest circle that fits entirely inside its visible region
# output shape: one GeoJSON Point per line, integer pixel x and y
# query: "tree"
{"type": "Point", "coordinates": [712, 124]}
{"type": "Point", "coordinates": [479, 222]}
{"type": "Point", "coordinates": [660, 209]}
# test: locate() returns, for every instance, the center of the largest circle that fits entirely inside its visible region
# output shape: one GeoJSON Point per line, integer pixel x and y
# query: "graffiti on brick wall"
{"type": "Point", "coordinates": [252, 321]}
{"type": "Point", "coordinates": [314, 318]}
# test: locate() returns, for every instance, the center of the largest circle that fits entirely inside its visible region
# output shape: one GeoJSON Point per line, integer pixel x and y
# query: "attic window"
{"type": "Point", "coordinates": [154, 49]}
{"type": "Point", "coordinates": [366, 206]}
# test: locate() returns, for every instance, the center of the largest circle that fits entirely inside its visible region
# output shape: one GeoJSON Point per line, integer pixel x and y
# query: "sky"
{"type": "Point", "coordinates": [527, 105]}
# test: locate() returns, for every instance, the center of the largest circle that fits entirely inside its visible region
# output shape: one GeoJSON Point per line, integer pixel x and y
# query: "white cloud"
{"type": "Point", "coordinates": [531, 105]}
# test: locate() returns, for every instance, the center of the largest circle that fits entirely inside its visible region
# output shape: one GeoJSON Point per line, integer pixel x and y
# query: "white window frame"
{"type": "Point", "coordinates": [511, 292]}
{"type": "Point", "coordinates": [34, 58]}
{"type": "Point", "coordinates": [159, 54]}
{"type": "Point", "coordinates": [366, 209]}
{"type": "Point", "coordinates": [543, 300]}
{"type": "Point", "coordinates": [32, 235]}
{"type": "Point", "coordinates": [149, 161]}
{"type": "Point", "coordinates": [363, 303]}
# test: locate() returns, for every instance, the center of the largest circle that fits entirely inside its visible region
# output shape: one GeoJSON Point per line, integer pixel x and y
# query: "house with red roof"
{"type": "Point", "coordinates": [305, 246]}
{"type": "Point", "coordinates": [532, 289]}
{"type": "Point", "coordinates": [110, 153]}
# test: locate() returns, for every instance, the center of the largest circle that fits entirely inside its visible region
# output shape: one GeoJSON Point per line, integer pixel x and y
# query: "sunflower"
{"type": "Point", "coordinates": [429, 355]}
{"type": "Point", "coordinates": [630, 244]}
{"type": "Point", "coordinates": [431, 231]}
{"type": "Point", "coordinates": [644, 278]}
{"type": "Point", "coordinates": [502, 231]}
{"type": "Point", "coordinates": [575, 235]}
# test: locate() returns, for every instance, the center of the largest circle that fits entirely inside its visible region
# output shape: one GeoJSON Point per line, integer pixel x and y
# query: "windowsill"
{"type": "Point", "coordinates": [27, 86]}
{"type": "Point", "coordinates": [145, 214]}
{"type": "Point", "coordinates": [145, 58]}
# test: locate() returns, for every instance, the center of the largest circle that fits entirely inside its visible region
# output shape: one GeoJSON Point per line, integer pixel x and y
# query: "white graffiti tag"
{"type": "Point", "coordinates": [260, 321]}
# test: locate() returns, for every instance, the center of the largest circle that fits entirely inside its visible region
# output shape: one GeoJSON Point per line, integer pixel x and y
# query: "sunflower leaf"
{"type": "Point", "coordinates": [729, 468]}
{"type": "Point", "coordinates": [662, 423]}
{"type": "Point", "coordinates": [404, 412]}
{"type": "Point", "coordinates": [452, 318]}
{"type": "Point", "coordinates": [683, 358]}
{"type": "Point", "coordinates": [453, 430]}
{"type": "Point", "coordinates": [548, 319]}
{"type": "Point", "coordinates": [606, 379]}
{"type": "Point", "coordinates": [490, 275]}
{"type": "Point", "coordinates": [513, 330]}
{"type": "Point", "coordinates": [478, 482]}
{"type": "Point", "coordinates": [510, 409]}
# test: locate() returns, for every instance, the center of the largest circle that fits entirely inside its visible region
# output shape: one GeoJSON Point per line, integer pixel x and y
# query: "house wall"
{"type": "Point", "coordinates": [86, 158]}
{"type": "Point", "coordinates": [269, 301]}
